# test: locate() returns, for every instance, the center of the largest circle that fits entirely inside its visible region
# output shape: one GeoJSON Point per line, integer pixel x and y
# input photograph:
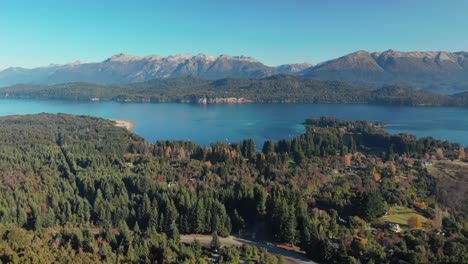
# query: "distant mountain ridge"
{"type": "Point", "coordinates": [420, 70]}
{"type": "Point", "coordinates": [122, 68]}
{"type": "Point", "coordinates": [437, 71]}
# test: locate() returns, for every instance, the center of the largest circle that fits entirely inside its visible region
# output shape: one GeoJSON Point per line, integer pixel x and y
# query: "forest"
{"type": "Point", "coordinates": [274, 89]}
{"type": "Point", "coordinates": [78, 189]}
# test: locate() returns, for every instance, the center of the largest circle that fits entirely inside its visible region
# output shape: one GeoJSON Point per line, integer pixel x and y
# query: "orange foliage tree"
{"type": "Point", "coordinates": [375, 174]}
{"type": "Point", "coordinates": [415, 222]}
{"type": "Point", "coordinates": [421, 205]}
{"type": "Point", "coordinates": [127, 156]}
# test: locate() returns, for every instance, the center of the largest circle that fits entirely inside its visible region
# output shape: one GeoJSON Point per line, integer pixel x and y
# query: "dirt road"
{"type": "Point", "coordinates": [290, 256]}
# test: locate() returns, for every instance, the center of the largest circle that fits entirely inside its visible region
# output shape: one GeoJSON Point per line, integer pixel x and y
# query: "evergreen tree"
{"type": "Point", "coordinates": [268, 147]}
{"type": "Point", "coordinates": [215, 242]}
{"type": "Point", "coordinates": [261, 201]}
{"type": "Point", "coordinates": [352, 145]}
{"type": "Point", "coordinates": [199, 217]}
{"type": "Point", "coordinates": [153, 218]}
{"type": "Point", "coordinates": [196, 248]}
{"type": "Point", "coordinates": [372, 205]}
{"type": "Point", "coordinates": [174, 232]}
{"type": "Point", "coordinates": [249, 149]}
{"type": "Point", "coordinates": [238, 223]}
{"type": "Point", "coordinates": [89, 243]}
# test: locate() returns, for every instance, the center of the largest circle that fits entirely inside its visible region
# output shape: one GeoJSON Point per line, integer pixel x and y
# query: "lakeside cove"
{"type": "Point", "coordinates": [127, 124]}
{"type": "Point", "coordinates": [205, 124]}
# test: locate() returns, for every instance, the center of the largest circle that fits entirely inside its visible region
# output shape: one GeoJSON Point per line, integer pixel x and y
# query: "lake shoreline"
{"type": "Point", "coordinates": [231, 101]}
{"type": "Point", "coordinates": [127, 124]}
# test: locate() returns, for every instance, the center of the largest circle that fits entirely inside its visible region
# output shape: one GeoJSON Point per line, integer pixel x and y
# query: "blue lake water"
{"type": "Point", "coordinates": [208, 123]}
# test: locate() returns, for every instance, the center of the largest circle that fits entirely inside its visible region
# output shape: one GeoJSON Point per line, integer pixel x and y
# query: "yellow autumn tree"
{"type": "Point", "coordinates": [362, 243]}
{"type": "Point", "coordinates": [461, 153]}
{"type": "Point", "coordinates": [415, 222]}
{"type": "Point", "coordinates": [393, 168]}
{"type": "Point", "coordinates": [262, 156]}
{"type": "Point", "coordinates": [348, 158]}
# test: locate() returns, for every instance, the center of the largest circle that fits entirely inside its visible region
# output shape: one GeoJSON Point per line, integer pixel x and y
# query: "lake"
{"type": "Point", "coordinates": [231, 123]}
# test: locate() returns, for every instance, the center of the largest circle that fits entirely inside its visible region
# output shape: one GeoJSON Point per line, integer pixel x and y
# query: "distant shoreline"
{"type": "Point", "coordinates": [127, 124]}
{"type": "Point", "coordinates": [281, 89]}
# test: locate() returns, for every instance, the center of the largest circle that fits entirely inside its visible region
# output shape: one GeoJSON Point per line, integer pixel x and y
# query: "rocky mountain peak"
{"type": "Point", "coordinates": [179, 57]}
{"type": "Point", "coordinates": [123, 57]}
{"type": "Point", "coordinates": [238, 58]}
{"type": "Point", "coordinates": [202, 56]}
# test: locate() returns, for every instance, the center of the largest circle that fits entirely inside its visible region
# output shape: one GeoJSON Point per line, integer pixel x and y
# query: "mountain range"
{"type": "Point", "coordinates": [122, 68]}
{"type": "Point", "coordinates": [436, 71]}
{"type": "Point", "coordinates": [421, 70]}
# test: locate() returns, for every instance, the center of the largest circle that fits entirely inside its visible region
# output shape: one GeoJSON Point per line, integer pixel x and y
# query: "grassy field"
{"type": "Point", "coordinates": [400, 215]}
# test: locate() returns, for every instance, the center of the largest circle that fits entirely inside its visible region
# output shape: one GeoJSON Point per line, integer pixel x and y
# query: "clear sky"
{"type": "Point", "coordinates": [40, 32]}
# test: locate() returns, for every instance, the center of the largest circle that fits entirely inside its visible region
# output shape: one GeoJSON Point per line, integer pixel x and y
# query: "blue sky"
{"type": "Point", "coordinates": [39, 32]}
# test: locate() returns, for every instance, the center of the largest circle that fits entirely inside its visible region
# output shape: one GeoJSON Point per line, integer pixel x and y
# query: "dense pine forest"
{"type": "Point", "coordinates": [78, 189]}
{"type": "Point", "coordinates": [274, 89]}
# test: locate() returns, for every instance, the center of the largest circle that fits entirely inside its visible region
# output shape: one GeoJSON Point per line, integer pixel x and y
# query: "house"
{"type": "Point", "coordinates": [439, 231]}
{"type": "Point", "coordinates": [395, 228]}
{"type": "Point", "coordinates": [427, 163]}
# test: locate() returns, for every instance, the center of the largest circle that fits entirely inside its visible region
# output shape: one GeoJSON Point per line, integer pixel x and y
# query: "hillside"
{"type": "Point", "coordinates": [274, 89]}
{"type": "Point", "coordinates": [78, 189]}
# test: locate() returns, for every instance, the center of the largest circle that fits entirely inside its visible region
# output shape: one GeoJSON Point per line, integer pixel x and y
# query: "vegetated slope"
{"type": "Point", "coordinates": [85, 191]}
{"type": "Point", "coordinates": [274, 89]}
